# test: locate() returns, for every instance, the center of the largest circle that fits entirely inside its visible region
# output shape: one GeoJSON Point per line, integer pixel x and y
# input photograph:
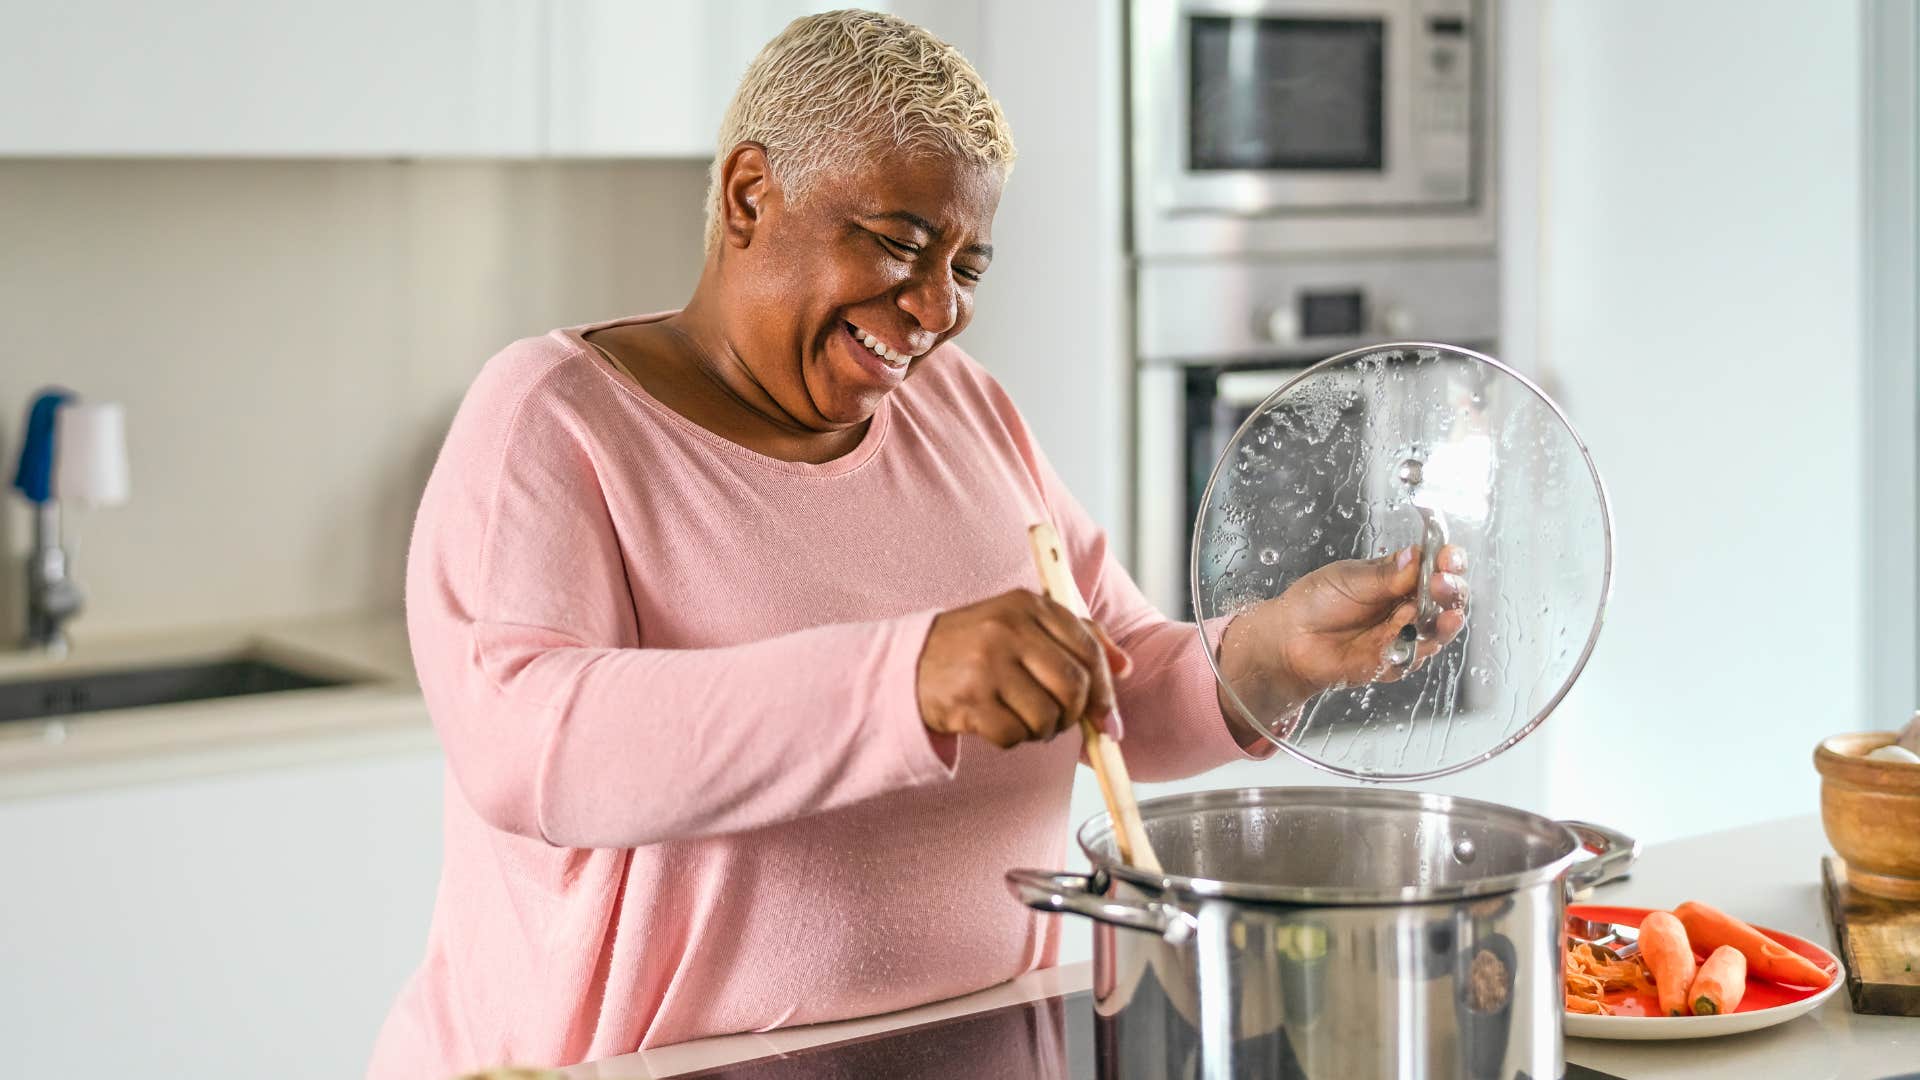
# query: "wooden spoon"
{"type": "Point", "coordinates": [1129, 835]}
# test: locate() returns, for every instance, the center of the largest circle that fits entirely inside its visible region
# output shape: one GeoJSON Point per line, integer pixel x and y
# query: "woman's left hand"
{"type": "Point", "coordinates": [1333, 627]}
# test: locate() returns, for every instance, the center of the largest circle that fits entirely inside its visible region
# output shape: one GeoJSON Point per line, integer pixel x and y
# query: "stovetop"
{"type": "Point", "coordinates": [1049, 1039]}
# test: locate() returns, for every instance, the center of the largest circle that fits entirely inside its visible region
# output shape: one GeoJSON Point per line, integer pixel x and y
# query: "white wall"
{"type": "Point", "coordinates": [290, 340]}
{"type": "Point", "coordinates": [1891, 570]}
{"type": "Point", "coordinates": [1701, 295]}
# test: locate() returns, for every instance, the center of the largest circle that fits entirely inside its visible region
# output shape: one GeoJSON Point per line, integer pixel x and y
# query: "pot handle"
{"type": "Point", "coordinates": [1085, 894]}
{"type": "Point", "coordinates": [1611, 855]}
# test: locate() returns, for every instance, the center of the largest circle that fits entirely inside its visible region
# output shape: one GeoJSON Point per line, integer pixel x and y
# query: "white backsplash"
{"type": "Point", "coordinates": [290, 340]}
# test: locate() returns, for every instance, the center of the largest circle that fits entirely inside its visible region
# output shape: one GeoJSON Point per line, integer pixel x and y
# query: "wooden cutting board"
{"type": "Point", "coordinates": [1879, 943]}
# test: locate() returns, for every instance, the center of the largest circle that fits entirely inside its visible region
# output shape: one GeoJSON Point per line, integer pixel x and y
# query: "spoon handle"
{"type": "Point", "coordinates": [1129, 833]}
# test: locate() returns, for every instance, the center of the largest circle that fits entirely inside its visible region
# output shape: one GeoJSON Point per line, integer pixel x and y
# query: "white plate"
{"type": "Point", "coordinates": [1589, 1026]}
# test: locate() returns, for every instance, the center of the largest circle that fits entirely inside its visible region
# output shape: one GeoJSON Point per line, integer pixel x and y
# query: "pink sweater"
{"type": "Point", "coordinates": [690, 792]}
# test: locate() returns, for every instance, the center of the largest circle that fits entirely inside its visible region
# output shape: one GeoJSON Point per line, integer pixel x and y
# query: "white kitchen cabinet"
{"type": "Point", "coordinates": [272, 78]}
{"type": "Point", "coordinates": [370, 78]}
{"type": "Point", "coordinates": [651, 78]}
{"type": "Point", "coordinates": [225, 928]}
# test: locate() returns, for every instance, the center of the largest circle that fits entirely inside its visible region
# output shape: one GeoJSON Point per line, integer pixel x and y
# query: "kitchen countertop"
{"type": "Point", "coordinates": [379, 711]}
{"type": "Point", "coordinates": [1768, 874]}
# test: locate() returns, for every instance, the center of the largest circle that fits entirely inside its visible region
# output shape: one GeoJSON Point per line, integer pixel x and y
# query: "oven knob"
{"type": "Point", "coordinates": [1283, 325]}
{"type": "Point", "coordinates": [1397, 321]}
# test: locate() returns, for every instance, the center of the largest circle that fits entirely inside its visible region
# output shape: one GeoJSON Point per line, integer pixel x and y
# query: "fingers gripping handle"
{"type": "Point", "coordinates": [1433, 537]}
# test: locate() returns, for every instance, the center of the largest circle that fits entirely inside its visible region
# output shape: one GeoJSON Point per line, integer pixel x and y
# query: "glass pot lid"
{"type": "Point", "coordinates": [1391, 446]}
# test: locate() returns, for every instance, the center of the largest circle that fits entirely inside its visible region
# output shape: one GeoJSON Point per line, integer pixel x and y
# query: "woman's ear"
{"type": "Point", "coordinates": [746, 180]}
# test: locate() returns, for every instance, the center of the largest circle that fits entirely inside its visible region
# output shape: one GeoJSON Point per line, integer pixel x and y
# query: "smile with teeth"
{"type": "Point", "coordinates": [879, 348]}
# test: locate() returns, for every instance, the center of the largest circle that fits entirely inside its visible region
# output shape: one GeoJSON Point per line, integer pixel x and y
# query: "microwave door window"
{"type": "Point", "coordinates": [1273, 94]}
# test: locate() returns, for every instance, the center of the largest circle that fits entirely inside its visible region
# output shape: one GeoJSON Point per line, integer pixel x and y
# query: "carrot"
{"type": "Point", "coordinates": [1710, 928]}
{"type": "Point", "coordinates": [1663, 944]}
{"type": "Point", "coordinates": [1721, 983]}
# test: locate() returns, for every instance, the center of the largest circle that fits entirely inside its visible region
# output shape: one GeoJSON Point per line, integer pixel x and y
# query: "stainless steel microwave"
{"type": "Point", "coordinates": [1283, 126]}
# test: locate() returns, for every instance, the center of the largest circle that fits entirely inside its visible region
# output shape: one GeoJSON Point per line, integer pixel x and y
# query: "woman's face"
{"type": "Point", "coordinates": [890, 250]}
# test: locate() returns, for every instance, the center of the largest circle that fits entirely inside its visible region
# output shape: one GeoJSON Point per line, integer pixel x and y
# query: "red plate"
{"type": "Point", "coordinates": [1761, 995]}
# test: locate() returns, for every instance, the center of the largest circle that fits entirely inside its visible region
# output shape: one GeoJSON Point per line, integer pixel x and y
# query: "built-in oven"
{"type": "Point", "coordinates": [1216, 338]}
{"type": "Point", "coordinates": [1285, 126]}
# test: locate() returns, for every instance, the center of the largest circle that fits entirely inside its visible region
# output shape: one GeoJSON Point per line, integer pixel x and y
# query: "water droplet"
{"type": "Point", "coordinates": [1269, 556]}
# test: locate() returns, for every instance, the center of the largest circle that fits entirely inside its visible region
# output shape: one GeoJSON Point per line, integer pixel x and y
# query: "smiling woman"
{"type": "Point", "coordinates": [852, 198]}
{"type": "Point", "coordinates": [724, 615]}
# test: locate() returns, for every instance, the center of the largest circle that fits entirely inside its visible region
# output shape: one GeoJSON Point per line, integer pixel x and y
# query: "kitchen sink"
{"type": "Point", "coordinates": [65, 695]}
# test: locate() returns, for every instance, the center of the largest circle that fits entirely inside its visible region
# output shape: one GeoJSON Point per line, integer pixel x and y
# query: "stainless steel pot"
{"type": "Point", "coordinates": [1331, 933]}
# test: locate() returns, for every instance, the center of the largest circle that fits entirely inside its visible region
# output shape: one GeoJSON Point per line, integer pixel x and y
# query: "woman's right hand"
{"type": "Point", "coordinates": [1016, 668]}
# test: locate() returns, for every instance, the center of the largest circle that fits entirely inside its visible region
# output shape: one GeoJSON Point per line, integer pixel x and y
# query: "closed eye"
{"type": "Point", "coordinates": [897, 247]}
{"type": "Point", "coordinates": [906, 252]}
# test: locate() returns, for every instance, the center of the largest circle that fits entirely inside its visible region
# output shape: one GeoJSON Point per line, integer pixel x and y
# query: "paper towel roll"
{"type": "Point", "coordinates": [90, 455]}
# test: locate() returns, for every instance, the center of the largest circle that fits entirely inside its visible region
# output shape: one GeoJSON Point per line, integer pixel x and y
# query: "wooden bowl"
{"type": "Point", "coordinates": [1871, 810]}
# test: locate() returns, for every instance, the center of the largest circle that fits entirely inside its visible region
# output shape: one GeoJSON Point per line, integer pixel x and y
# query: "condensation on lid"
{"type": "Point", "coordinates": [1349, 460]}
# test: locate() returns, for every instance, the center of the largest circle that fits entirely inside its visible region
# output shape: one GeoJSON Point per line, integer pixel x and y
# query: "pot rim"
{"type": "Point", "coordinates": [1100, 826]}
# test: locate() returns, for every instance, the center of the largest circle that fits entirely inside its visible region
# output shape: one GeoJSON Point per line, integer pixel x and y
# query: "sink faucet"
{"type": "Point", "coordinates": [53, 597]}
{"type": "Point", "coordinates": [72, 451]}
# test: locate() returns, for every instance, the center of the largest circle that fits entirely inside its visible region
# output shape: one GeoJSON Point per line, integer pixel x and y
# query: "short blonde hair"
{"type": "Point", "coordinates": [861, 81]}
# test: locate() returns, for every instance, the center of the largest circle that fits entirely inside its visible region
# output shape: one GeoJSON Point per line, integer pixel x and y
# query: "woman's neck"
{"type": "Point", "coordinates": [687, 362]}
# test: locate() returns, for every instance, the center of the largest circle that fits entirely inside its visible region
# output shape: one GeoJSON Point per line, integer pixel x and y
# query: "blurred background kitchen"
{"type": "Point", "coordinates": [284, 237]}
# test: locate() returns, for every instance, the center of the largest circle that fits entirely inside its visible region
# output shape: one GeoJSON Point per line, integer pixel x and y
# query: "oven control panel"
{"type": "Point", "coordinates": [1226, 311]}
{"type": "Point", "coordinates": [1444, 67]}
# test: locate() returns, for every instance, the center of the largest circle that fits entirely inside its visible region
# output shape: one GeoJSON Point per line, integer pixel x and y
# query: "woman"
{"type": "Point", "coordinates": [725, 616]}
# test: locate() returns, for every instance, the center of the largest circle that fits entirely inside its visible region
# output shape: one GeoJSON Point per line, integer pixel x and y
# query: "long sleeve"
{"type": "Point", "coordinates": [558, 726]}
{"type": "Point", "coordinates": [1170, 704]}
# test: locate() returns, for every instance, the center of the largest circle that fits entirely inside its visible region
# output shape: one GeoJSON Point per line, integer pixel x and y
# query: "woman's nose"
{"type": "Point", "coordinates": [932, 300]}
